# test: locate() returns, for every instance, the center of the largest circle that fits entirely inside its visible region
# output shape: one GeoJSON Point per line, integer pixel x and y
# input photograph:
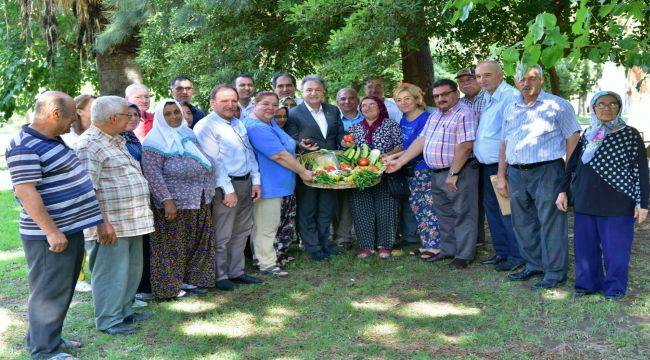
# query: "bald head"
{"type": "Point", "coordinates": [489, 75]}
{"type": "Point", "coordinates": [54, 112]}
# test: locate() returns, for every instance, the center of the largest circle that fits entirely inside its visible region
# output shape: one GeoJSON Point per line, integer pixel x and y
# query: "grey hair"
{"type": "Point", "coordinates": [347, 89]}
{"type": "Point", "coordinates": [133, 87]}
{"type": "Point", "coordinates": [522, 70]}
{"type": "Point", "coordinates": [314, 78]}
{"type": "Point", "coordinates": [494, 63]}
{"type": "Point", "coordinates": [106, 106]}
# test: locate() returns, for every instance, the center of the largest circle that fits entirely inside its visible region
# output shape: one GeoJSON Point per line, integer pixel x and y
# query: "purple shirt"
{"type": "Point", "coordinates": [445, 130]}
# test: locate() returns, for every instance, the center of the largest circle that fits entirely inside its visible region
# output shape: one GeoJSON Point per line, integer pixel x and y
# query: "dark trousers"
{"type": "Point", "coordinates": [541, 229]}
{"type": "Point", "coordinates": [504, 240]}
{"type": "Point", "coordinates": [480, 222]}
{"type": "Point", "coordinates": [408, 225]}
{"type": "Point", "coordinates": [598, 241]}
{"type": "Point", "coordinates": [52, 278]}
{"type": "Point", "coordinates": [457, 212]}
{"type": "Point", "coordinates": [145, 281]}
{"type": "Point", "coordinates": [374, 213]}
{"type": "Point", "coordinates": [315, 213]}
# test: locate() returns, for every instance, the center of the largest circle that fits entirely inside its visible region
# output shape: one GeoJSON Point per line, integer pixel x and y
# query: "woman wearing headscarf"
{"type": "Point", "coordinates": [374, 210]}
{"type": "Point", "coordinates": [608, 176]}
{"type": "Point", "coordinates": [82, 122]}
{"type": "Point", "coordinates": [181, 180]}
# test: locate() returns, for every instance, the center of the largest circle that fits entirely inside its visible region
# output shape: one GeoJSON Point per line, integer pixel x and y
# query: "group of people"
{"type": "Point", "coordinates": [165, 203]}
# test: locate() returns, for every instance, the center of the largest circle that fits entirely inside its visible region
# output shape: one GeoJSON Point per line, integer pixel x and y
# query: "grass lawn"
{"type": "Point", "coordinates": [352, 309]}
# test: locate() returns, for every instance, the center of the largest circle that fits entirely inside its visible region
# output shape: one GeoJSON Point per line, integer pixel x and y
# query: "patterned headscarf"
{"type": "Point", "coordinates": [597, 130]}
{"type": "Point", "coordinates": [383, 115]}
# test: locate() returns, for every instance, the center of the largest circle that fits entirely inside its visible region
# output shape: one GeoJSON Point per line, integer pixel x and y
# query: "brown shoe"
{"type": "Point", "coordinates": [458, 264]}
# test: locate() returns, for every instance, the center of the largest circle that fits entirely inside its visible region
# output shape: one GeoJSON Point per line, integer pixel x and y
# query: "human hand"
{"type": "Point", "coordinates": [502, 186]}
{"type": "Point", "coordinates": [256, 192]}
{"type": "Point", "coordinates": [451, 183]}
{"type": "Point", "coordinates": [562, 202]}
{"type": "Point", "coordinates": [347, 144]}
{"type": "Point", "coordinates": [306, 175]}
{"type": "Point", "coordinates": [308, 144]}
{"type": "Point", "coordinates": [230, 200]}
{"type": "Point", "coordinates": [170, 210]}
{"type": "Point", "coordinates": [57, 241]}
{"type": "Point", "coordinates": [640, 215]}
{"type": "Point", "coordinates": [106, 233]}
{"type": "Point", "coordinates": [393, 166]}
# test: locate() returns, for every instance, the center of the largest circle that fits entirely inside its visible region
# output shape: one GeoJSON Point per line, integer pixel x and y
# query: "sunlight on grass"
{"type": "Point", "coordinates": [7, 320]}
{"type": "Point", "coordinates": [384, 331]}
{"type": "Point", "coordinates": [436, 309]}
{"type": "Point", "coordinates": [193, 307]}
{"type": "Point", "coordinates": [11, 255]}
{"type": "Point", "coordinates": [380, 303]}
{"type": "Point", "coordinates": [235, 325]}
{"type": "Point", "coordinates": [452, 339]}
{"type": "Point", "coordinates": [278, 315]}
{"type": "Point", "coordinates": [556, 294]}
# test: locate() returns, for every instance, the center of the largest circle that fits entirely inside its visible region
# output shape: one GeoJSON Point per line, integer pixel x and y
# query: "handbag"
{"type": "Point", "coordinates": [397, 186]}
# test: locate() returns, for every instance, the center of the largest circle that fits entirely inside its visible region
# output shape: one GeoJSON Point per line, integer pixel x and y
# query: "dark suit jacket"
{"type": "Point", "coordinates": [301, 125]}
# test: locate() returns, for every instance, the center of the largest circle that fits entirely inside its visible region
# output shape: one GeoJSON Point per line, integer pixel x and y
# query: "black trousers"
{"type": "Point", "coordinates": [52, 278]}
{"type": "Point", "coordinates": [145, 280]}
{"type": "Point", "coordinates": [315, 213]}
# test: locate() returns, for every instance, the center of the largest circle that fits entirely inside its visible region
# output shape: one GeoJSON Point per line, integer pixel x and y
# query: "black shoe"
{"type": "Point", "coordinates": [328, 250]}
{"type": "Point", "coordinates": [617, 296]}
{"type": "Point", "coordinates": [119, 329]}
{"type": "Point", "coordinates": [458, 264]}
{"type": "Point", "coordinates": [345, 246]}
{"type": "Point", "coordinates": [508, 265]}
{"type": "Point", "coordinates": [136, 317]}
{"type": "Point", "coordinates": [197, 291]}
{"type": "Point", "coordinates": [246, 279]}
{"type": "Point", "coordinates": [524, 275]}
{"type": "Point", "coordinates": [438, 257]}
{"type": "Point", "coordinates": [318, 256]}
{"type": "Point", "coordinates": [496, 259]}
{"type": "Point", "coordinates": [225, 285]}
{"type": "Point", "coordinates": [581, 293]}
{"type": "Point", "coordinates": [548, 284]}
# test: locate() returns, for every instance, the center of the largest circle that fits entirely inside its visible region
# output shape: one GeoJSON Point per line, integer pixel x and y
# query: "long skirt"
{"type": "Point", "coordinates": [374, 215]}
{"type": "Point", "coordinates": [422, 204]}
{"type": "Point", "coordinates": [286, 234]}
{"type": "Point", "coordinates": [182, 251]}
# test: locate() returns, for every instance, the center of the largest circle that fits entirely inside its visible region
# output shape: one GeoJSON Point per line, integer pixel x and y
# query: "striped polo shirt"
{"type": "Point", "coordinates": [61, 181]}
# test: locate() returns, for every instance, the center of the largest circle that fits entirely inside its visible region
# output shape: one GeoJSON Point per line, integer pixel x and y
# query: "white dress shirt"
{"type": "Point", "coordinates": [393, 110]}
{"type": "Point", "coordinates": [246, 111]}
{"type": "Point", "coordinates": [319, 116]}
{"type": "Point", "coordinates": [226, 143]}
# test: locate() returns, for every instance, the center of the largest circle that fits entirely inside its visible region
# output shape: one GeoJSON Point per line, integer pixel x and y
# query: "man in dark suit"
{"type": "Point", "coordinates": [315, 125]}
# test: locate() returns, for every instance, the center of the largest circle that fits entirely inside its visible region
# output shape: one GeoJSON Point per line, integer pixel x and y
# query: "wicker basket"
{"type": "Point", "coordinates": [338, 186]}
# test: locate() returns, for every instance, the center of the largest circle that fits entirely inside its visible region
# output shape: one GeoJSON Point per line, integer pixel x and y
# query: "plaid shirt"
{"type": "Point", "coordinates": [477, 104]}
{"type": "Point", "coordinates": [445, 130]}
{"type": "Point", "coordinates": [122, 190]}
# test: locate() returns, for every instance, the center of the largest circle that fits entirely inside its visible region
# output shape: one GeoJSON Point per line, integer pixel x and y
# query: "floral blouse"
{"type": "Point", "coordinates": [386, 138]}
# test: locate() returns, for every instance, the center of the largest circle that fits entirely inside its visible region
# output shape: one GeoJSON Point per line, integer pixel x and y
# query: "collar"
{"type": "Point", "coordinates": [218, 118]}
{"type": "Point", "coordinates": [500, 91]}
{"type": "Point", "coordinates": [451, 110]}
{"type": "Point", "coordinates": [541, 97]}
{"type": "Point", "coordinates": [33, 132]}
{"type": "Point", "coordinates": [250, 104]}
{"type": "Point", "coordinates": [101, 134]}
{"type": "Point", "coordinates": [357, 117]}
{"type": "Point", "coordinates": [320, 109]}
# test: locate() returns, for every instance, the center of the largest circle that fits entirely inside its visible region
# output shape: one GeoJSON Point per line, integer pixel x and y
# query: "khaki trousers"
{"type": "Point", "coordinates": [266, 220]}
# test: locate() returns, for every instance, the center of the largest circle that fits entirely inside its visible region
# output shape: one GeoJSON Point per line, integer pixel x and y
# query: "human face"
{"type": "Point", "coordinates": [468, 86]}
{"type": "Point", "coordinates": [265, 109]}
{"type": "Point", "coordinates": [370, 110]}
{"type": "Point", "coordinates": [406, 102]}
{"type": "Point", "coordinates": [224, 103]}
{"type": "Point", "coordinates": [281, 116]}
{"type": "Point", "coordinates": [173, 115]}
{"type": "Point", "coordinates": [606, 108]}
{"type": "Point", "coordinates": [134, 119]}
{"type": "Point", "coordinates": [65, 122]}
{"type": "Point", "coordinates": [489, 77]}
{"type": "Point", "coordinates": [187, 114]}
{"type": "Point", "coordinates": [314, 93]}
{"type": "Point", "coordinates": [375, 87]}
{"type": "Point", "coordinates": [183, 90]}
{"type": "Point", "coordinates": [120, 120]}
{"type": "Point", "coordinates": [140, 97]}
{"type": "Point", "coordinates": [290, 103]}
{"type": "Point", "coordinates": [445, 98]}
{"type": "Point", "coordinates": [284, 87]}
{"type": "Point", "coordinates": [348, 102]}
{"type": "Point", "coordinates": [245, 87]}
{"type": "Point", "coordinates": [531, 85]}
{"type": "Point", "coordinates": [84, 115]}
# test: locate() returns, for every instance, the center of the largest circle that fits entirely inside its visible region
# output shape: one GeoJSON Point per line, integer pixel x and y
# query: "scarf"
{"type": "Point", "coordinates": [171, 142]}
{"type": "Point", "coordinates": [383, 115]}
{"type": "Point", "coordinates": [595, 134]}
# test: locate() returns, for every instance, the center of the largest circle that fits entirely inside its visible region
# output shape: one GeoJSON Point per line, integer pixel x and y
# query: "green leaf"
{"type": "Point", "coordinates": [510, 55]}
{"type": "Point", "coordinates": [594, 55]}
{"type": "Point", "coordinates": [548, 20]}
{"type": "Point", "coordinates": [581, 41]}
{"type": "Point", "coordinates": [551, 55]}
{"type": "Point", "coordinates": [578, 26]}
{"type": "Point", "coordinates": [531, 55]}
{"type": "Point", "coordinates": [627, 43]}
{"type": "Point", "coordinates": [606, 9]}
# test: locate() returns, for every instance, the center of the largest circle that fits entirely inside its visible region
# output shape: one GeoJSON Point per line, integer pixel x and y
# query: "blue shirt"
{"type": "Point", "coordinates": [538, 132]}
{"type": "Point", "coordinates": [410, 131]}
{"type": "Point", "coordinates": [488, 134]}
{"type": "Point", "coordinates": [60, 180]}
{"type": "Point", "coordinates": [269, 140]}
{"type": "Point", "coordinates": [347, 123]}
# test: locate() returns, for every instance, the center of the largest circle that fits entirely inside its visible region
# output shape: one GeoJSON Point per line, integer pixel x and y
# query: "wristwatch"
{"type": "Point", "coordinates": [451, 173]}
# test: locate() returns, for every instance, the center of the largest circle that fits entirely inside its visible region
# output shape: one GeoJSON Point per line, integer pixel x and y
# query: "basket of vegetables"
{"type": "Point", "coordinates": [357, 167]}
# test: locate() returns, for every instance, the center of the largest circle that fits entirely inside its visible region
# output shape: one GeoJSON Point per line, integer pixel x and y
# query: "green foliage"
{"type": "Point", "coordinates": [577, 78]}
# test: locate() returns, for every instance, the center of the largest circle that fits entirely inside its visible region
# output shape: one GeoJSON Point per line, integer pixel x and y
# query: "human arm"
{"type": "Point", "coordinates": [256, 179]}
{"type": "Point", "coordinates": [33, 204]}
{"type": "Point", "coordinates": [462, 152]}
{"type": "Point", "coordinates": [287, 160]}
{"type": "Point", "coordinates": [152, 168]}
{"type": "Point", "coordinates": [209, 142]}
{"type": "Point", "coordinates": [641, 211]}
{"type": "Point", "coordinates": [502, 173]}
{"type": "Point", "coordinates": [562, 201]}
{"type": "Point", "coordinates": [409, 154]}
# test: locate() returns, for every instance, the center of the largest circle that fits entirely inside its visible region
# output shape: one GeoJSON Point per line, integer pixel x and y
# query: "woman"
{"type": "Point", "coordinates": [610, 188]}
{"type": "Point", "coordinates": [187, 113]}
{"type": "Point", "coordinates": [374, 211]}
{"type": "Point", "coordinates": [410, 100]}
{"type": "Point", "coordinates": [276, 156]}
{"type": "Point", "coordinates": [288, 102]}
{"type": "Point", "coordinates": [132, 143]}
{"type": "Point", "coordinates": [82, 123]}
{"type": "Point", "coordinates": [287, 230]}
{"type": "Point", "coordinates": [181, 179]}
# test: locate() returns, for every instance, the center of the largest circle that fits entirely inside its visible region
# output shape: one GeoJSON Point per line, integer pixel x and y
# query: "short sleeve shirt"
{"type": "Point", "coordinates": [445, 130]}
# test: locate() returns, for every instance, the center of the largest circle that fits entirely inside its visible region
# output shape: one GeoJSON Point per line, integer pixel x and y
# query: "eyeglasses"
{"type": "Point", "coordinates": [435, 96]}
{"type": "Point", "coordinates": [281, 117]}
{"type": "Point", "coordinates": [602, 106]}
{"type": "Point", "coordinates": [180, 88]}
{"type": "Point", "coordinates": [369, 106]}
{"type": "Point", "coordinates": [131, 116]}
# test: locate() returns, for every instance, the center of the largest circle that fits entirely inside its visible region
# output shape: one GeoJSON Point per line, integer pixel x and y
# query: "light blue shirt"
{"type": "Point", "coordinates": [538, 132]}
{"type": "Point", "coordinates": [488, 135]}
{"type": "Point", "coordinates": [226, 143]}
{"type": "Point", "coordinates": [347, 123]}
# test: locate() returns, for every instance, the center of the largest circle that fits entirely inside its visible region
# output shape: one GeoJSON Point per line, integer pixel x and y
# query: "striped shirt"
{"type": "Point", "coordinates": [122, 190]}
{"type": "Point", "coordinates": [477, 103]}
{"type": "Point", "coordinates": [445, 130]}
{"type": "Point", "coordinates": [538, 132]}
{"type": "Point", "coordinates": [61, 181]}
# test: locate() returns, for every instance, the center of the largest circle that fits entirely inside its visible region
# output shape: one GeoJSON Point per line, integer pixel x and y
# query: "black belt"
{"type": "Point", "coordinates": [533, 165]}
{"type": "Point", "coordinates": [468, 162]}
{"type": "Point", "coordinates": [437, 171]}
{"type": "Point", "coordinates": [240, 178]}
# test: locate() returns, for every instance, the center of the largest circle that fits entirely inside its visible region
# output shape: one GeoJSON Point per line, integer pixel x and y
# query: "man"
{"type": "Point", "coordinates": [315, 122]}
{"type": "Point", "coordinates": [497, 95]}
{"type": "Point", "coordinates": [223, 138]}
{"type": "Point", "coordinates": [245, 90]}
{"type": "Point", "coordinates": [182, 90]}
{"type": "Point", "coordinates": [375, 87]}
{"type": "Point", "coordinates": [473, 97]}
{"type": "Point", "coordinates": [538, 130]}
{"type": "Point", "coordinates": [115, 247]}
{"type": "Point", "coordinates": [139, 94]}
{"type": "Point", "coordinates": [446, 143]}
{"type": "Point", "coordinates": [347, 100]}
{"type": "Point", "coordinates": [284, 84]}
{"type": "Point", "coordinates": [58, 202]}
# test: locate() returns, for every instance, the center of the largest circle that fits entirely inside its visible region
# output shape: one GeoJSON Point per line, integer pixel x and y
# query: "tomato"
{"type": "Point", "coordinates": [362, 161]}
{"type": "Point", "coordinates": [331, 168]}
{"type": "Point", "coordinates": [346, 166]}
{"type": "Point", "coordinates": [320, 171]}
{"type": "Point", "coordinates": [374, 168]}
{"type": "Point", "coordinates": [348, 138]}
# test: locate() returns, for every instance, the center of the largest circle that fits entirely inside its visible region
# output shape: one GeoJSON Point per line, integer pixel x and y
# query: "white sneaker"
{"type": "Point", "coordinates": [144, 296]}
{"type": "Point", "coordinates": [139, 303]}
{"type": "Point", "coordinates": [185, 286]}
{"type": "Point", "coordinates": [83, 286]}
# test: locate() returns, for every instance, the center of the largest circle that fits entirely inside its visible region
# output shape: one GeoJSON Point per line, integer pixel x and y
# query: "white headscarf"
{"type": "Point", "coordinates": [171, 142]}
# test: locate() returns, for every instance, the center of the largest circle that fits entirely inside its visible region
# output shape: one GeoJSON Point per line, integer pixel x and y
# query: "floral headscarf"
{"type": "Point", "coordinates": [597, 130]}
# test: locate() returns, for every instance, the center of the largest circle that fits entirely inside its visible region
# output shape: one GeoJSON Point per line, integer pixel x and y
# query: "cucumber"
{"type": "Point", "coordinates": [349, 152]}
{"type": "Point", "coordinates": [357, 154]}
{"type": "Point", "coordinates": [365, 151]}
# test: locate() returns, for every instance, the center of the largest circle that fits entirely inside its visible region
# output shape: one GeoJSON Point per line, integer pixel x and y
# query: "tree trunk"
{"type": "Point", "coordinates": [555, 80]}
{"type": "Point", "coordinates": [117, 68]}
